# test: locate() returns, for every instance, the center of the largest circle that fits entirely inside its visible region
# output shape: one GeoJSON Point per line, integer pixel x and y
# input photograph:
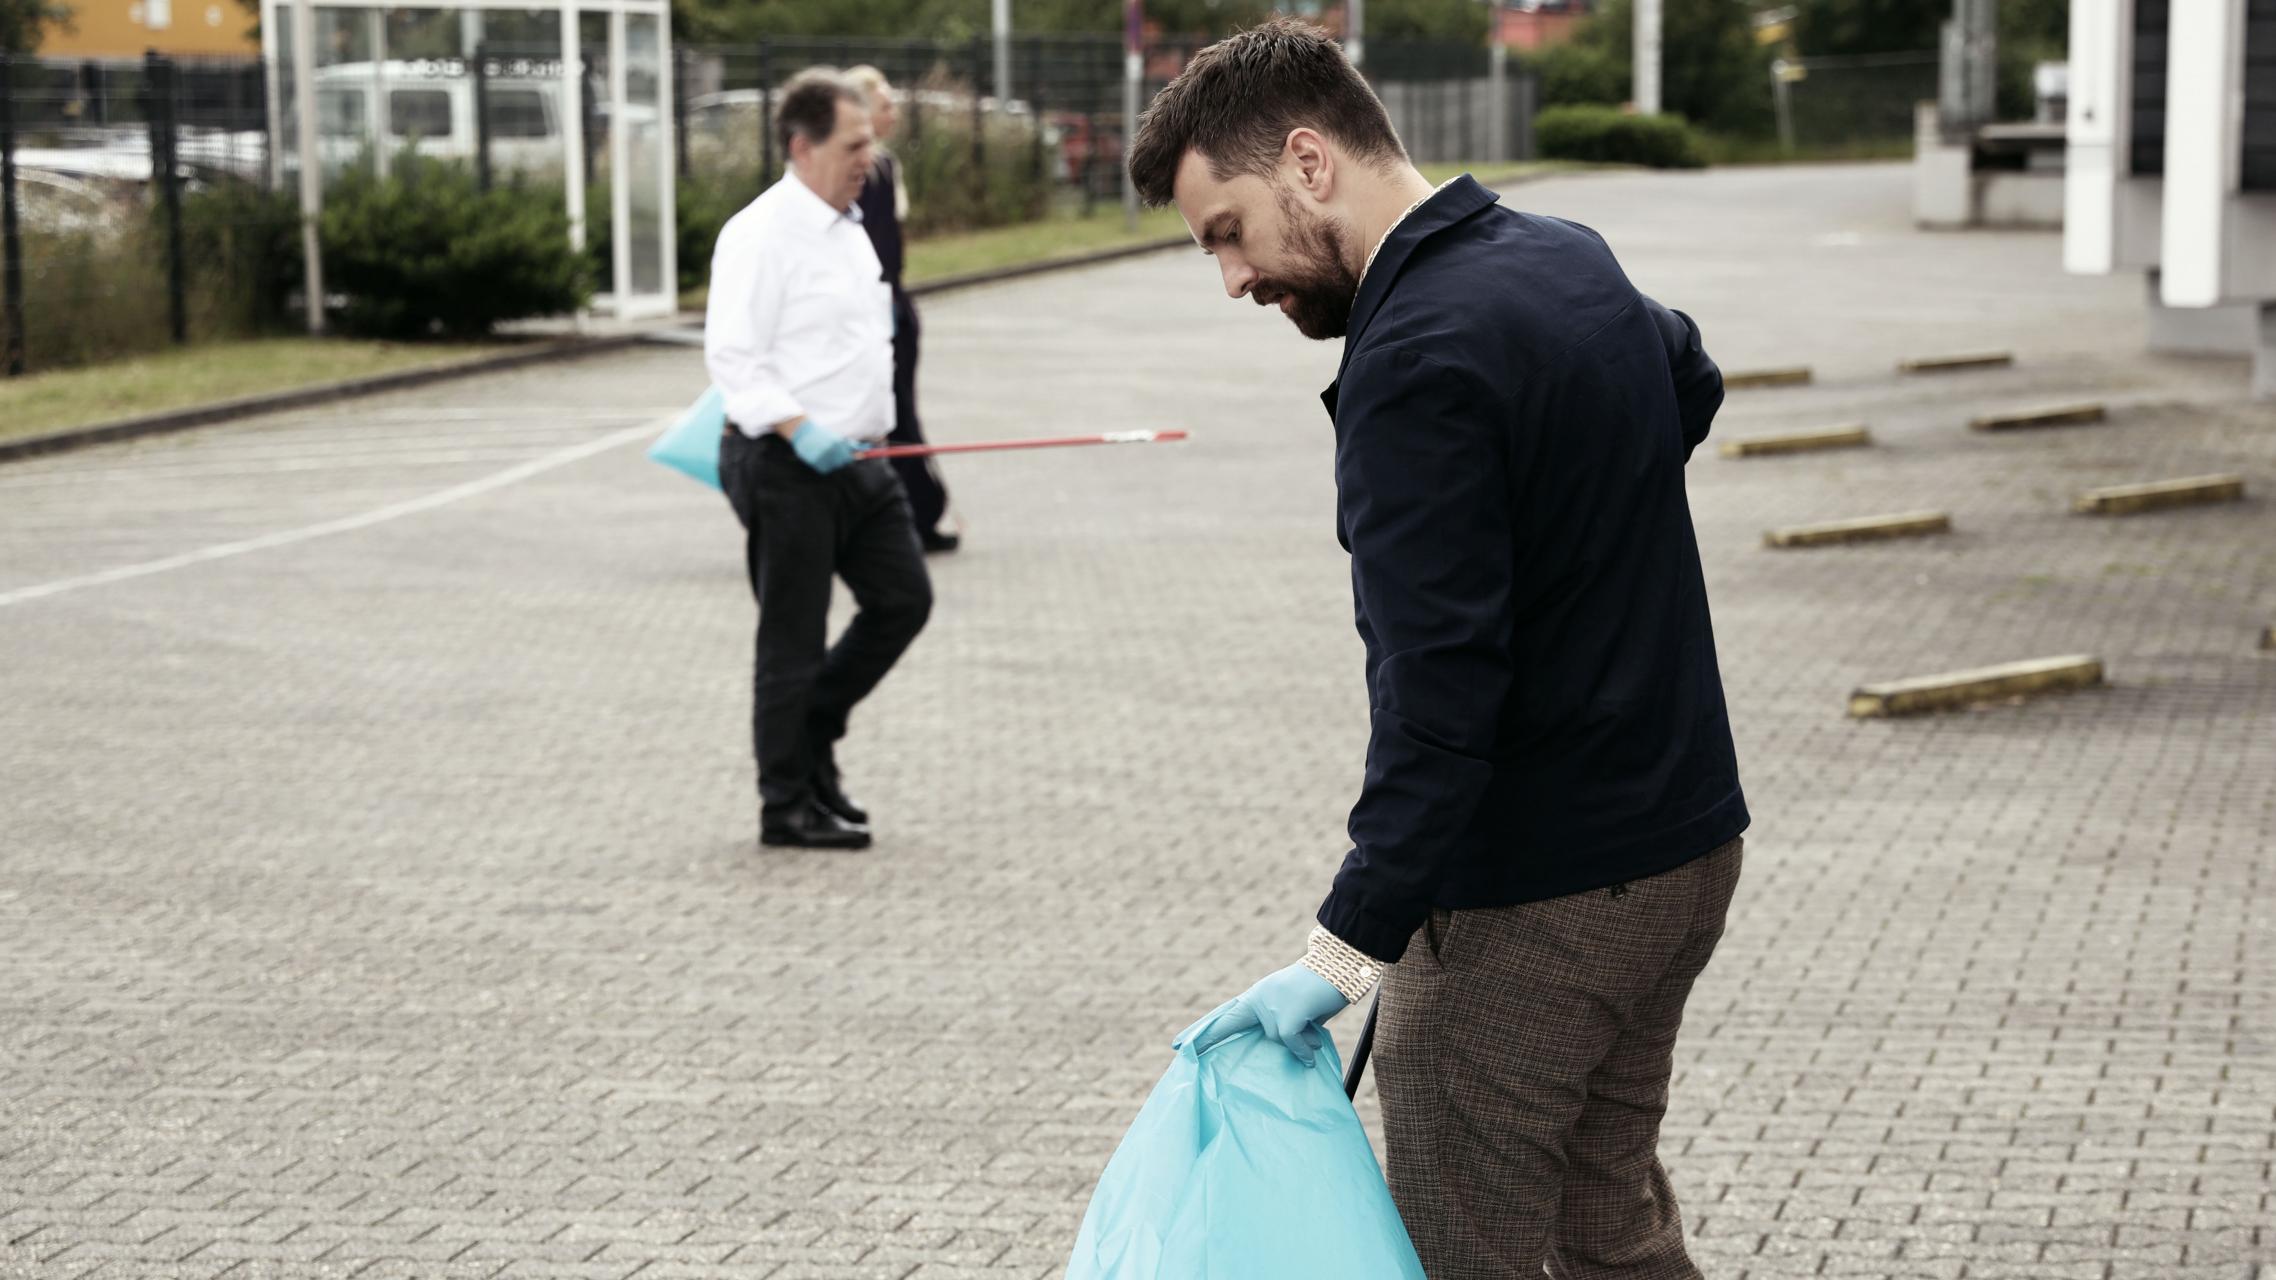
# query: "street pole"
{"type": "Point", "coordinates": [1133, 71]}
{"type": "Point", "coordinates": [311, 164]}
{"type": "Point", "coordinates": [1355, 31]}
{"type": "Point", "coordinates": [1002, 13]}
{"type": "Point", "coordinates": [1647, 58]}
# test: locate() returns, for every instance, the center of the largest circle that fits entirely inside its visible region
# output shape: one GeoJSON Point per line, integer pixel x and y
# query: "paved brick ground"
{"type": "Point", "coordinates": [384, 902]}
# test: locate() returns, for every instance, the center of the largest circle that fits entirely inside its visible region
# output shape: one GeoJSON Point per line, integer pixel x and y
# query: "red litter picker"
{"type": "Point", "coordinates": [1049, 442]}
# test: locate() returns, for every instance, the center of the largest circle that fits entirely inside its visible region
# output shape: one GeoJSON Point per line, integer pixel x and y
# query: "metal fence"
{"type": "Point", "coordinates": [1063, 110]}
{"type": "Point", "coordinates": [133, 201]}
{"type": "Point", "coordinates": [1850, 101]}
{"type": "Point", "coordinates": [142, 206]}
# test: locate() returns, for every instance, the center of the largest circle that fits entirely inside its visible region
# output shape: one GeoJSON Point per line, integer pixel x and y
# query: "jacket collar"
{"type": "Point", "coordinates": [1450, 204]}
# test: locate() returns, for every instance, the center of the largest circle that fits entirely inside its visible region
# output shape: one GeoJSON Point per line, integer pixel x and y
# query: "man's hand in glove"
{"type": "Point", "coordinates": [1287, 1006]}
{"type": "Point", "coordinates": [821, 448]}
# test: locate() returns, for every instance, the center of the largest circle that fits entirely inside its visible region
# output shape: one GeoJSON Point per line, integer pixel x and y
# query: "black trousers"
{"type": "Point", "coordinates": [801, 529]}
{"type": "Point", "coordinates": [928, 497]}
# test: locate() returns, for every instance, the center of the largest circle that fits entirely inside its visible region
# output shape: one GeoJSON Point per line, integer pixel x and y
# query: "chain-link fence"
{"type": "Point", "coordinates": [1853, 102]}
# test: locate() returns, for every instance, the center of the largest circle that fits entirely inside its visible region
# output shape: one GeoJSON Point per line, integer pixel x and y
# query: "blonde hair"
{"type": "Point", "coordinates": [870, 82]}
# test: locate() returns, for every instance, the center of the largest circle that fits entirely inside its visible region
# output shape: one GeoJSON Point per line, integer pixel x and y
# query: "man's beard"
{"type": "Point", "coordinates": [1320, 285]}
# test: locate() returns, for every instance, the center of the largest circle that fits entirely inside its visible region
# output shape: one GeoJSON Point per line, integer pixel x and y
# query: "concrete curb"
{"type": "Point", "coordinates": [248, 406]}
{"type": "Point", "coordinates": [1968, 688]}
{"type": "Point", "coordinates": [300, 397]}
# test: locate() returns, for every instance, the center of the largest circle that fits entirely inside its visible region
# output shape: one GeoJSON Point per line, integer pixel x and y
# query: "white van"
{"type": "Point", "coordinates": [428, 104]}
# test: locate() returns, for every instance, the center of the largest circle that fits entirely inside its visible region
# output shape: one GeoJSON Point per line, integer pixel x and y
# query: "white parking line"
{"type": "Point", "coordinates": [378, 515]}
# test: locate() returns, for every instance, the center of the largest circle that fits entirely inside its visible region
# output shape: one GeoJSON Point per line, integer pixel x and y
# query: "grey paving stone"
{"type": "Point", "coordinates": [386, 902]}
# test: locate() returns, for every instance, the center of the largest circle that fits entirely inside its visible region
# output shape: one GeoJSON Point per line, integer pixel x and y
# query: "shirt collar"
{"type": "Point", "coordinates": [812, 210]}
{"type": "Point", "coordinates": [1450, 204]}
{"type": "Point", "coordinates": [1386, 236]}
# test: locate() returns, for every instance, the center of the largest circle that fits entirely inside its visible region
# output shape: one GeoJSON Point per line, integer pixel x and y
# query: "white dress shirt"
{"type": "Point", "coordinates": [800, 320]}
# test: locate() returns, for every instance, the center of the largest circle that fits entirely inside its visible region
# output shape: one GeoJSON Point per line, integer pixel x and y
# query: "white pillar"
{"type": "Point", "coordinates": [573, 124]}
{"type": "Point", "coordinates": [311, 161]}
{"type": "Point", "coordinates": [1001, 15]}
{"type": "Point", "coordinates": [1355, 31]}
{"type": "Point", "coordinates": [2204, 123]}
{"type": "Point", "coordinates": [1647, 58]}
{"type": "Point", "coordinates": [620, 168]}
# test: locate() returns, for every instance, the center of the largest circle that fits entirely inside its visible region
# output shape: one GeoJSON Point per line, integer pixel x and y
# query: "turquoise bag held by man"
{"type": "Point", "coordinates": [1244, 1164]}
{"type": "Point", "coordinates": [691, 445]}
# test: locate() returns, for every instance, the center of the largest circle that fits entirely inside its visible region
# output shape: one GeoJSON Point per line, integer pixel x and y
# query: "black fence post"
{"type": "Point", "coordinates": [766, 120]}
{"type": "Point", "coordinates": [10, 233]}
{"type": "Point", "coordinates": [980, 119]}
{"type": "Point", "coordinates": [158, 92]}
{"type": "Point", "coordinates": [482, 115]}
{"type": "Point", "coordinates": [1035, 112]}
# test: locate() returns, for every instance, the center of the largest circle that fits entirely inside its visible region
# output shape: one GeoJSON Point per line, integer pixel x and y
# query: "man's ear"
{"type": "Point", "coordinates": [1310, 164]}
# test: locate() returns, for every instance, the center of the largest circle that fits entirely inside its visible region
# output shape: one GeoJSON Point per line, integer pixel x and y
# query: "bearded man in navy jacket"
{"type": "Point", "coordinates": [1547, 837]}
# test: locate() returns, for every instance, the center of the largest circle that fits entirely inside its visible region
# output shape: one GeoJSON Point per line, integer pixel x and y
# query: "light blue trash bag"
{"type": "Point", "coordinates": [691, 445]}
{"type": "Point", "coordinates": [1245, 1164]}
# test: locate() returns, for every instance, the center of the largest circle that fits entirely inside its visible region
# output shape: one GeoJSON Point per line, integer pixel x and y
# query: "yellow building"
{"type": "Point", "coordinates": [127, 28]}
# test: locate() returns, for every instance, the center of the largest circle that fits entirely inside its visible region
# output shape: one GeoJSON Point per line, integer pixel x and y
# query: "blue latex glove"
{"type": "Point", "coordinates": [1287, 1006]}
{"type": "Point", "coordinates": [821, 448]}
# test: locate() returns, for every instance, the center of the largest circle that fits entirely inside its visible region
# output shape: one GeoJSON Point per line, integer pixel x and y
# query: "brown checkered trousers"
{"type": "Point", "coordinates": [1523, 1056]}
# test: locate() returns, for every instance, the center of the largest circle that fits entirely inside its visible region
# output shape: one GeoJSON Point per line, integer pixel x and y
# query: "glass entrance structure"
{"type": "Point", "coordinates": [573, 97]}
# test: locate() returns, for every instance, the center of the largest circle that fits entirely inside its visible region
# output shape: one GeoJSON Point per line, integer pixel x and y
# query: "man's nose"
{"type": "Point", "coordinates": [1240, 277]}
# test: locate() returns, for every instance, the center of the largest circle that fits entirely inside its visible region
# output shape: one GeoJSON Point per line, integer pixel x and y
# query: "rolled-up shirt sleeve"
{"type": "Point", "coordinates": [740, 322]}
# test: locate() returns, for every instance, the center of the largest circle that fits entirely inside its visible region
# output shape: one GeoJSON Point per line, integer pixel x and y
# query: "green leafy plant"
{"type": "Point", "coordinates": [1608, 135]}
{"type": "Point", "coordinates": [423, 251]}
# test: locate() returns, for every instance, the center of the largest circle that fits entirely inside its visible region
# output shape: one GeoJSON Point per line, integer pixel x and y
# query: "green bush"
{"type": "Point", "coordinates": [948, 192]}
{"type": "Point", "coordinates": [1608, 135]}
{"type": "Point", "coordinates": [99, 290]}
{"type": "Point", "coordinates": [1580, 74]}
{"type": "Point", "coordinates": [425, 251]}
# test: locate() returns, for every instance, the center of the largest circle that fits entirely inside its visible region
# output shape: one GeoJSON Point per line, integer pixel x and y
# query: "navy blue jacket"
{"type": "Point", "coordinates": [1512, 421]}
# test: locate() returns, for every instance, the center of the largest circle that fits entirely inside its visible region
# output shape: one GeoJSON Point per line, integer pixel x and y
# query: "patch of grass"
{"type": "Point", "coordinates": [210, 372]}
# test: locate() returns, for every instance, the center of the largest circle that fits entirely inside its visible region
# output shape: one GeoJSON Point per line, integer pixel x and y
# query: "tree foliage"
{"type": "Point", "coordinates": [1712, 72]}
{"type": "Point", "coordinates": [24, 22]}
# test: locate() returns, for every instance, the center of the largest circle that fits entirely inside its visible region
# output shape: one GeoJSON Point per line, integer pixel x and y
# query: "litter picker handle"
{"type": "Point", "coordinates": [1357, 1071]}
{"type": "Point", "coordinates": [999, 446]}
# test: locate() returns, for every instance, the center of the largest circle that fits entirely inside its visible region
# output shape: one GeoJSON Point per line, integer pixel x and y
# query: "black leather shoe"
{"type": "Point", "coordinates": [812, 827]}
{"type": "Point", "coordinates": [937, 543]}
{"type": "Point", "coordinates": [830, 793]}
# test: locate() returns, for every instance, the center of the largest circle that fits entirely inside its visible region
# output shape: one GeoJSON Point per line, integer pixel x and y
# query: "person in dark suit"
{"type": "Point", "coordinates": [1547, 837]}
{"type": "Point", "coordinates": [884, 203]}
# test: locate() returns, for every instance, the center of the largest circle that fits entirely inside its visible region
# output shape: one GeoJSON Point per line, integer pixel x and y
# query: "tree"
{"type": "Point", "coordinates": [24, 22]}
{"type": "Point", "coordinates": [1712, 72]}
{"type": "Point", "coordinates": [1449, 21]}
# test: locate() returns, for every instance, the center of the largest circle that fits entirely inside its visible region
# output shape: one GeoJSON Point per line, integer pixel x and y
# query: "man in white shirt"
{"type": "Point", "coordinates": [799, 338]}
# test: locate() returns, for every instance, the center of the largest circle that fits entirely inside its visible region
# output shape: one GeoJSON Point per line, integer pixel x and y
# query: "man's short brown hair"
{"type": "Point", "coordinates": [808, 107]}
{"type": "Point", "coordinates": [1238, 99]}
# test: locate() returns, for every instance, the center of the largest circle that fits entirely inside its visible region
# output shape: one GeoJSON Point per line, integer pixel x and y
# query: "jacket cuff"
{"type": "Point", "coordinates": [1383, 940]}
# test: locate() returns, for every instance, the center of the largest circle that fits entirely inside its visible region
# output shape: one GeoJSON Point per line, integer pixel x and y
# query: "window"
{"type": "Point", "coordinates": [518, 113]}
{"type": "Point", "coordinates": [339, 113]}
{"type": "Point", "coordinates": [422, 113]}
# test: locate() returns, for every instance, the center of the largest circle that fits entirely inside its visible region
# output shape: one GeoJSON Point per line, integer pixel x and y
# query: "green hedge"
{"type": "Point", "coordinates": [1608, 135]}
{"type": "Point", "coordinates": [425, 251]}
